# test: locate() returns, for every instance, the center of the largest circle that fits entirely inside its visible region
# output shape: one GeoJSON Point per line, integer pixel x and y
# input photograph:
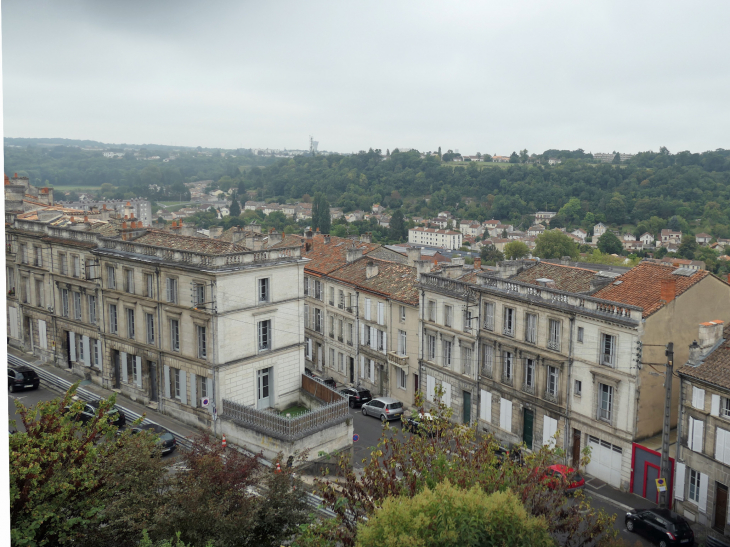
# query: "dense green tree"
{"type": "Point", "coordinates": [449, 516]}
{"type": "Point", "coordinates": [514, 158]}
{"type": "Point", "coordinates": [571, 212]}
{"type": "Point", "coordinates": [616, 159]}
{"type": "Point", "coordinates": [490, 255]}
{"type": "Point", "coordinates": [398, 228]}
{"type": "Point", "coordinates": [235, 209]}
{"type": "Point", "coordinates": [516, 249]}
{"type": "Point", "coordinates": [608, 243]}
{"type": "Point", "coordinates": [688, 247]}
{"type": "Point", "coordinates": [555, 244]}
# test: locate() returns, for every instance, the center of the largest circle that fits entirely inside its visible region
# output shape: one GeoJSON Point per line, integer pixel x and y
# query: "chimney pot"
{"type": "Point", "coordinates": [72, 218]}
{"type": "Point", "coordinates": [371, 270]}
{"type": "Point", "coordinates": [668, 289]}
{"type": "Point", "coordinates": [124, 224]}
{"type": "Point", "coordinates": [86, 218]}
{"type": "Point", "coordinates": [478, 263]}
{"type": "Point", "coordinates": [414, 254]}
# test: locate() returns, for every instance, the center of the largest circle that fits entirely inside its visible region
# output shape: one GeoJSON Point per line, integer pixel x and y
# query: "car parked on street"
{"type": "Point", "coordinates": [562, 476]}
{"type": "Point", "coordinates": [660, 526]}
{"type": "Point", "coordinates": [165, 440]}
{"type": "Point", "coordinates": [22, 378]}
{"type": "Point", "coordinates": [385, 408]}
{"type": "Point", "coordinates": [420, 425]}
{"type": "Point", "coordinates": [114, 415]}
{"type": "Point", "coordinates": [357, 396]}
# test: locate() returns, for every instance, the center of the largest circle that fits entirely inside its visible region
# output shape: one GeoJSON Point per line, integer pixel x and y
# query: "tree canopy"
{"type": "Point", "coordinates": [555, 244]}
{"type": "Point", "coordinates": [516, 249]}
{"type": "Point", "coordinates": [608, 243]}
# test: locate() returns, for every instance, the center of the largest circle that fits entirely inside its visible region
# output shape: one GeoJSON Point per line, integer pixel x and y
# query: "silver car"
{"type": "Point", "coordinates": [385, 408]}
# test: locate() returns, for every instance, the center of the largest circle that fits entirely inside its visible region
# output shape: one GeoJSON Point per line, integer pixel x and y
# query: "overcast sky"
{"type": "Point", "coordinates": [491, 77]}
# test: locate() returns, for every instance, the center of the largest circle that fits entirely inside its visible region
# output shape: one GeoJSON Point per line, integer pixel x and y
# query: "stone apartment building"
{"type": "Point", "coordinates": [449, 239]}
{"type": "Point", "coordinates": [361, 315]}
{"type": "Point", "coordinates": [557, 353]}
{"type": "Point", "coordinates": [139, 208]}
{"type": "Point", "coordinates": [702, 469]}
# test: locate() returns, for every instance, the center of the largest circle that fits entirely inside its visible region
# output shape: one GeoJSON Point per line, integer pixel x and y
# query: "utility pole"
{"type": "Point", "coordinates": [664, 465]}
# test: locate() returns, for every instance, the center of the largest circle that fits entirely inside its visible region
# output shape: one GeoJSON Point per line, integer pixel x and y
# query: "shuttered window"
{"type": "Point", "coordinates": [202, 342]}
{"type": "Point", "coordinates": [174, 335]}
{"type": "Point", "coordinates": [113, 318]}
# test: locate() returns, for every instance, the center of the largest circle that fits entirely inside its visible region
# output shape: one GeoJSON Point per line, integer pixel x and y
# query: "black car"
{"type": "Point", "coordinates": [357, 396]}
{"type": "Point", "coordinates": [22, 378]}
{"type": "Point", "coordinates": [165, 441]}
{"type": "Point", "coordinates": [421, 425]}
{"type": "Point", "coordinates": [114, 415]}
{"type": "Point", "coordinates": [661, 526]}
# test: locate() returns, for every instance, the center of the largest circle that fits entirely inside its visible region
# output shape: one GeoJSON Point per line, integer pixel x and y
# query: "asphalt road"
{"type": "Point", "coordinates": [30, 397]}
{"type": "Point", "coordinates": [370, 429]}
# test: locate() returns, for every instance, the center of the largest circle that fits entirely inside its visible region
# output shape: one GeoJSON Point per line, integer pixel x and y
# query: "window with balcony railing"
{"type": "Point", "coordinates": [528, 385]}
{"type": "Point", "coordinates": [551, 390]}
{"type": "Point", "coordinates": [508, 368]}
{"type": "Point", "coordinates": [488, 363]}
{"type": "Point", "coordinates": [554, 335]}
{"type": "Point", "coordinates": [489, 315]}
{"type": "Point", "coordinates": [531, 328]}
{"type": "Point", "coordinates": [508, 328]}
{"type": "Point", "coordinates": [466, 354]}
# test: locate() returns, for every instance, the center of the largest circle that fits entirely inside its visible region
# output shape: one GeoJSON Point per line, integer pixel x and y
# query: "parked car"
{"type": "Point", "coordinates": [114, 415]}
{"type": "Point", "coordinates": [165, 440]}
{"type": "Point", "coordinates": [558, 475]}
{"type": "Point", "coordinates": [660, 526]}
{"type": "Point", "coordinates": [385, 408]}
{"type": "Point", "coordinates": [357, 396]}
{"type": "Point", "coordinates": [420, 425]}
{"type": "Point", "coordinates": [22, 378]}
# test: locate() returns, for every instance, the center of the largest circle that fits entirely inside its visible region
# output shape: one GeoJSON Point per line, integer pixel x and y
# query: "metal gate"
{"type": "Point", "coordinates": [645, 466]}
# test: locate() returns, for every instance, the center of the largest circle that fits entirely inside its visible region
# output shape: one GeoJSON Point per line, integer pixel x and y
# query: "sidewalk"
{"type": "Point", "coordinates": [623, 500]}
{"type": "Point", "coordinates": [175, 427]}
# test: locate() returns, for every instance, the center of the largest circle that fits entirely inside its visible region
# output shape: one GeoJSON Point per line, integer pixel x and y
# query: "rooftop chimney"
{"type": "Point", "coordinates": [353, 253]}
{"type": "Point", "coordinates": [422, 266]}
{"type": "Point", "coordinates": [478, 263]}
{"type": "Point", "coordinates": [695, 354]}
{"type": "Point", "coordinates": [565, 260]}
{"type": "Point", "coordinates": [86, 218]}
{"type": "Point", "coordinates": [545, 282]}
{"type": "Point", "coordinates": [326, 238]}
{"type": "Point", "coordinates": [457, 260]}
{"type": "Point", "coordinates": [72, 218]}
{"type": "Point", "coordinates": [710, 334]}
{"type": "Point", "coordinates": [367, 237]}
{"type": "Point", "coordinates": [371, 270]}
{"type": "Point", "coordinates": [275, 237]}
{"type": "Point", "coordinates": [414, 254]}
{"type": "Point", "coordinates": [308, 234]}
{"type": "Point", "coordinates": [215, 232]}
{"type": "Point", "coordinates": [668, 289]}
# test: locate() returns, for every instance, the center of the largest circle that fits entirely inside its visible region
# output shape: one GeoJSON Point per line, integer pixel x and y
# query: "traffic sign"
{"type": "Point", "coordinates": [661, 485]}
{"type": "Point", "coordinates": [355, 437]}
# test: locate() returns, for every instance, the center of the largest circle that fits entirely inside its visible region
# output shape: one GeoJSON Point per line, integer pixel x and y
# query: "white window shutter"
{"type": "Point", "coordinates": [726, 451]}
{"type": "Point", "coordinates": [13, 322]}
{"type": "Point", "coordinates": [679, 473]}
{"type": "Point", "coordinates": [698, 398]}
{"type": "Point", "coordinates": [381, 313]}
{"type": "Point", "coordinates": [183, 388]}
{"type": "Point", "coordinates": [549, 428]}
{"type": "Point", "coordinates": [697, 435]}
{"type": "Point", "coordinates": [209, 391]}
{"type": "Point", "coordinates": [505, 414]}
{"type": "Point", "coordinates": [703, 493]}
{"type": "Point", "coordinates": [72, 345]}
{"type": "Point", "coordinates": [715, 405]}
{"type": "Point", "coordinates": [87, 353]}
{"type": "Point", "coordinates": [44, 340]}
{"type": "Point", "coordinates": [167, 380]}
{"type": "Point", "coordinates": [362, 332]}
{"type": "Point", "coordinates": [430, 387]}
{"type": "Point", "coordinates": [193, 390]}
{"type": "Point", "coordinates": [123, 362]}
{"type": "Point", "coordinates": [485, 406]}
{"type": "Point", "coordinates": [306, 315]}
{"type": "Point", "coordinates": [385, 342]}
{"type": "Point", "coordinates": [138, 365]}
{"type": "Point", "coordinates": [373, 338]}
{"type": "Point", "coordinates": [362, 366]}
{"type": "Point", "coordinates": [447, 393]}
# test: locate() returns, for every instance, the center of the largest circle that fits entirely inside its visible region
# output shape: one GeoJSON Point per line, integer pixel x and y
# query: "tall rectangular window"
{"type": "Point", "coordinates": [176, 380]}
{"type": "Point", "coordinates": [198, 294]}
{"type": "Point", "coordinates": [150, 321]}
{"type": "Point", "coordinates": [332, 327]}
{"type": "Point", "coordinates": [508, 370]}
{"type": "Point", "coordinates": [340, 362]}
{"type": "Point", "coordinates": [318, 289]}
{"type": "Point", "coordinates": [318, 320]}
{"type": "Point", "coordinates": [38, 256]}
{"type": "Point", "coordinates": [62, 264]}
{"type": "Point", "coordinates": [113, 318]}
{"type": "Point", "coordinates": [332, 296]}
{"type": "Point", "coordinates": [489, 315]}
{"type": "Point", "coordinates": [488, 359]}
{"type": "Point", "coordinates": [264, 295]}
{"type": "Point", "coordinates": [202, 343]}
{"type": "Point", "coordinates": [402, 313]}
{"type": "Point", "coordinates": [448, 315]}
{"type": "Point", "coordinates": [306, 286]}
{"type": "Point", "coordinates": [340, 329]}
{"type": "Point", "coordinates": [174, 335]}
{"type": "Point", "coordinates": [203, 387]}
{"type": "Point", "coordinates": [111, 279]}
{"type": "Point", "coordinates": [92, 308]}
{"type": "Point", "coordinates": [608, 350]}
{"type": "Point", "coordinates": [149, 285]}
{"type": "Point", "coordinates": [402, 378]}
{"type": "Point", "coordinates": [349, 333]}
{"type": "Point", "coordinates": [171, 290]}
{"type": "Point", "coordinates": [25, 291]}
{"type": "Point", "coordinates": [381, 340]}
{"type": "Point", "coordinates": [130, 324]}
{"type": "Point", "coordinates": [509, 322]}
{"type": "Point", "coordinates": [605, 402]}
{"type": "Point", "coordinates": [431, 310]}
{"type": "Point", "coordinates": [446, 344]}
{"type": "Point", "coordinates": [431, 347]}
{"type": "Point", "coordinates": [552, 381]}
{"type": "Point", "coordinates": [694, 486]}
{"type": "Point", "coordinates": [77, 305]}
{"type": "Point", "coordinates": [402, 342]}
{"type": "Point", "coordinates": [264, 334]}
{"type": "Point", "coordinates": [530, 372]}
{"type": "Point", "coordinates": [39, 300]}
{"type": "Point", "coordinates": [341, 300]}
{"type": "Point", "coordinates": [367, 309]}
{"type": "Point", "coordinates": [23, 253]}
{"type": "Point", "coordinates": [77, 266]}
{"type": "Point", "coordinates": [531, 328]}
{"type": "Point", "coordinates": [129, 281]}
{"type": "Point", "coordinates": [466, 353]}
{"type": "Point", "coordinates": [554, 336]}
{"type": "Point", "coordinates": [96, 353]}
{"type": "Point", "coordinates": [332, 358]}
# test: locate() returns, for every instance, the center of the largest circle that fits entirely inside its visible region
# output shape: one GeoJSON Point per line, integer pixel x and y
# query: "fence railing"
{"type": "Point", "coordinates": [288, 429]}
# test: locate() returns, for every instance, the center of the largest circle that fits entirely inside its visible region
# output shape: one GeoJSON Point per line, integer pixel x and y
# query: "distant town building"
{"type": "Point", "coordinates": [140, 208]}
{"type": "Point", "coordinates": [703, 239]}
{"type": "Point", "coordinates": [449, 239]}
{"type": "Point", "coordinates": [599, 229]}
{"type": "Point", "coordinates": [608, 158]}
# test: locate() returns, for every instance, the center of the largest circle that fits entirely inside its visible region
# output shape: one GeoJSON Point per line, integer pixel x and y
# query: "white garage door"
{"type": "Point", "coordinates": [605, 461]}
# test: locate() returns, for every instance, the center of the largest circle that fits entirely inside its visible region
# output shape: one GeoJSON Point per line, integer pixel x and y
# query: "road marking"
{"type": "Point", "coordinates": [612, 502]}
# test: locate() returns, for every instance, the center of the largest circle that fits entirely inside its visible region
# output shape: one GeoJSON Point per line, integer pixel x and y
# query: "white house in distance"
{"type": "Point", "coordinates": [448, 239]}
{"type": "Point", "coordinates": [670, 236]}
{"type": "Point", "coordinates": [544, 216]}
{"type": "Point", "coordinates": [629, 237]}
{"type": "Point", "coordinates": [647, 239]}
{"type": "Point", "coordinates": [599, 229]}
{"type": "Point", "coordinates": [703, 239]}
{"type": "Point", "coordinates": [580, 233]}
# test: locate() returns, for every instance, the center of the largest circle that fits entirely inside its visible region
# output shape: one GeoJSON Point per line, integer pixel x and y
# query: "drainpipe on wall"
{"type": "Point", "coordinates": [567, 443]}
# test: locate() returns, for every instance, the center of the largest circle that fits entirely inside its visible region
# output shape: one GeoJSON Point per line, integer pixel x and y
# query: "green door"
{"type": "Point", "coordinates": [529, 419]}
{"type": "Point", "coordinates": [467, 407]}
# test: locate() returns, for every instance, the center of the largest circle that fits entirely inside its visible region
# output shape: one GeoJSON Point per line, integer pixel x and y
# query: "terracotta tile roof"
{"type": "Point", "coordinates": [715, 368]}
{"type": "Point", "coordinates": [327, 257]}
{"type": "Point", "coordinates": [160, 238]}
{"type": "Point", "coordinates": [290, 240]}
{"type": "Point", "coordinates": [641, 286]}
{"type": "Point", "coordinates": [567, 278]}
{"type": "Point", "coordinates": [398, 281]}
